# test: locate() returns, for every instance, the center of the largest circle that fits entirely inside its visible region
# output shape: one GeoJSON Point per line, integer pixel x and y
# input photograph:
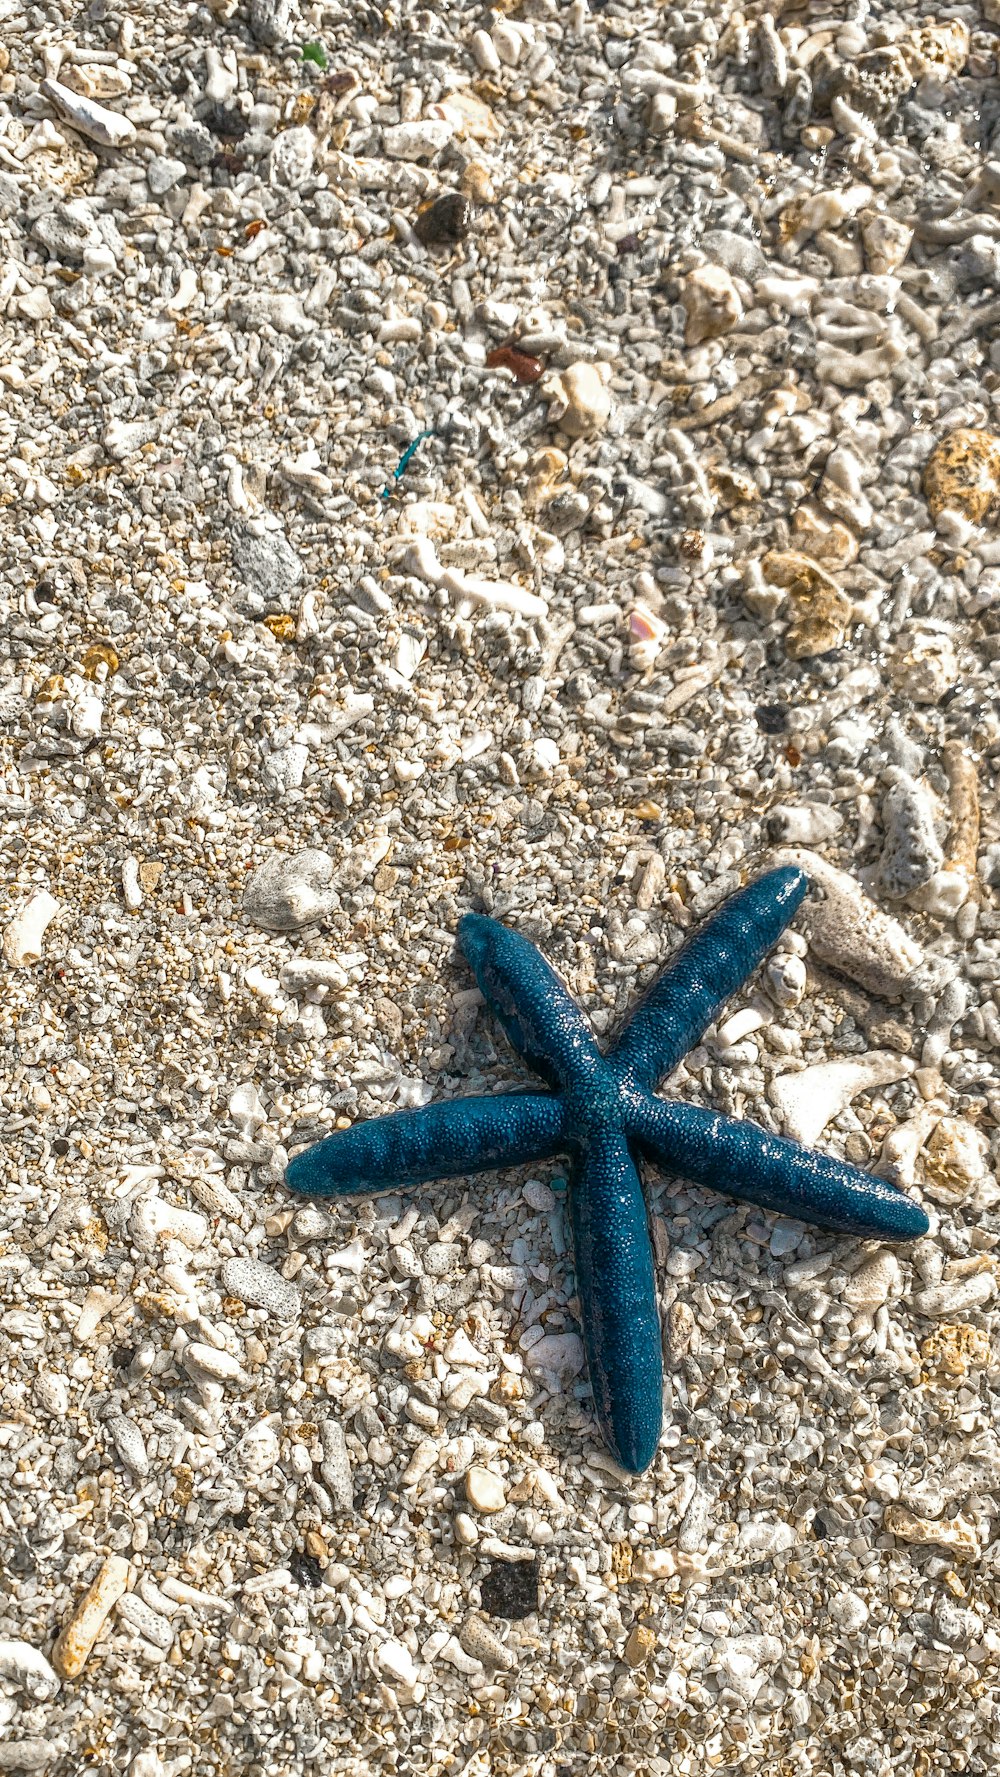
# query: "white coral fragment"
{"type": "Point", "coordinates": [23, 937]}
{"type": "Point", "coordinates": [809, 1100]}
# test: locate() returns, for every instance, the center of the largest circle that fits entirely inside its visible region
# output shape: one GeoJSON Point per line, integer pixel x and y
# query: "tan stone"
{"type": "Point", "coordinates": [956, 1534]}
{"type": "Point", "coordinates": [823, 538]}
{"type": "Point", "coordinates": [711, 303]}
{"type": "Point", "coordinates": [640, 1644]}
{"type": "Point", "coordinates": [578, 398]}
{"type": "Point", "coordinates": [938, 49]}
{"type": "Point", "coordinates": [955, 1159]}
{"type": "Point", "coordinates": [822, 613]}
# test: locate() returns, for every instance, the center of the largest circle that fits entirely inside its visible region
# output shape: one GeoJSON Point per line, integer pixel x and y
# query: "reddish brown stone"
{"type": "Point", "coordinates": [523, 367]}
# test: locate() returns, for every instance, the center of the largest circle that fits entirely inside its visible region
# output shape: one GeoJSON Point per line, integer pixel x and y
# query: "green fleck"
{"type": "Point", "coordinates": [314, 52]}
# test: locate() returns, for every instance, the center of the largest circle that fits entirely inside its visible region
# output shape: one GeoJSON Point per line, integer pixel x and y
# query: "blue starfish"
{"type": "Point", "coordinates": [602, 1110]}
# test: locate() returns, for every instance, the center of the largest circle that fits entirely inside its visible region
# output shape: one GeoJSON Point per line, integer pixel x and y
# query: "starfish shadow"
{"type": "Point", "coordinates": [602, 1111]}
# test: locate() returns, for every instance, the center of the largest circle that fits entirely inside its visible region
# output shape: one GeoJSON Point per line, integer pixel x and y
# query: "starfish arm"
{"type": "Point", "coordinates": [616, 1287]}
{"type": "Point", "coordinates": [742, 1161]}
{"type": "Point", "coordinates": [524, 993]}
{"type": "Point", "coordinates": [440, 1141]}
{"type": "Point", "coordinates": [686, 997]}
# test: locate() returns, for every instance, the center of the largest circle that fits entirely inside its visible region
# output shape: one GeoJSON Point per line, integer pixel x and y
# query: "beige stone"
{"type": "Point", "coordinates": [956, 1534]}
{"type": "Point", "coordinates": [640, 1644]}
{"type": "Point", "coordinates": [578, 398]}
{"type": "Point", "coordinates": [823, 538]}
{"type": "Point", "coordinates": [484, 1490]}
{"type": "Point", "coordinates": [955, 1159]}
{"type": "Point", "coordinates": [711, 303]}
{"type": "Point", "coordinates": [923, 663]}
{"type": "Point", "coordinates": [468, 116]}
{"type": "Point", "coordinates": [822, 613]}
{"type": "Point", "coordinates": [886, 241]}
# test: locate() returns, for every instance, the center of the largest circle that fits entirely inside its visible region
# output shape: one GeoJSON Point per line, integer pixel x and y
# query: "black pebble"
{"type": "Point", "coordinates": [305, 1569]}
{"type": "Point", "coordinates": [444, 220]}
{"type": "Point", "coordinates": [772, 718]}
{"type": "Point", "coordinates": [510, 1589]}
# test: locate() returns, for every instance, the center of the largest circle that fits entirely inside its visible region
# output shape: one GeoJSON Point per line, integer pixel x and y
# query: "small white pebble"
{"type": "Point", "coordinates": [484, 1490]}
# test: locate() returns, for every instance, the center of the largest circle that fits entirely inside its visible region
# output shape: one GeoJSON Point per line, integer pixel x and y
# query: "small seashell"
{"type": "Point", "coordinates": [962, 474]}
{"type": "Point", "coordinates": [290, 891]}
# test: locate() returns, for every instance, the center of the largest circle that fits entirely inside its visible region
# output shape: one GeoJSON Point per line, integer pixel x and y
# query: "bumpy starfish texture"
{"type": "Point", "coordinates": [602, 1111]}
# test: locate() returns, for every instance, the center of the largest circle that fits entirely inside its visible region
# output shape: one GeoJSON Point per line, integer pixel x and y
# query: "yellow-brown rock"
{"type": "Point", "coordinates": [821, 612]}
{"type": "Point", "coordinates": [962, 474]}
{"type": "Point", "coordinates": [953, 1349]}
